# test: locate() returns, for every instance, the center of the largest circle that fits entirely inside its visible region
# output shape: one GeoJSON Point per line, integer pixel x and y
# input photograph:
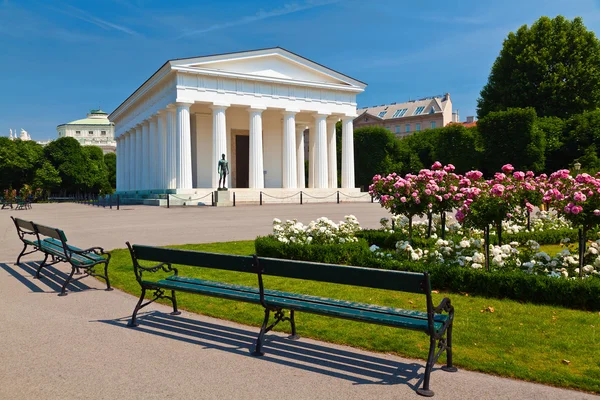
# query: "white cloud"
{"type": "Point", "coordinates": [82, 15]}
{"type": "Point", "coordinates": [288, 8]}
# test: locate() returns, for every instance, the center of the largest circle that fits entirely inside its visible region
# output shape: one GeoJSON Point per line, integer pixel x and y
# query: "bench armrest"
{"type": "Point", "coordinates": [96, 250]}
{"type": "Point", "coordinates": [444, 305]}
{"type": "Point", "coordinates": [139, 270]}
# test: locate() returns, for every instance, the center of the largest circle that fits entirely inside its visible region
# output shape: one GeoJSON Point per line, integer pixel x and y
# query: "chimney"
{"type": "Point", "coordinates": [470, 119]}
{"type": "Point", "coordinates": [455, 116]}
{"type": "Point", "coordinates": [447, 97]}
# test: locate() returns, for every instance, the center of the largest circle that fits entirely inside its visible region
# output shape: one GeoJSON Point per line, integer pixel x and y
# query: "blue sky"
{"type": "Point", "coordinates": [59, 59]}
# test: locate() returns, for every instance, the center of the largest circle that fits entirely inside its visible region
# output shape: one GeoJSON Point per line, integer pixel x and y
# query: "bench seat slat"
{"type": "Point", "coordinates": [414, 320]}
{"type": "Point", "coordinates": [55, 247]}
{"type": "Point", "coordinates": [206, 290]}
{"type": "Point", "coordinates": [315, 299]}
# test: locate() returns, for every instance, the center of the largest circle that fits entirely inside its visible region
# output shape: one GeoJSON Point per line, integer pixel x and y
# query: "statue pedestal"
{"type": "Point", "coordinates": [222, 198]}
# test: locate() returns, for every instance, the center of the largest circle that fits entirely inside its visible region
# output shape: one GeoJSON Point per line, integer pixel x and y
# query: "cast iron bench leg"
{"type": "Point", "coordinates": [425, 391]}
{"type": "Point", "coordinates": [449, 367]}
{"type": "Point", "coordinates": [294, 335]}
{"type": "Point", "coordinates": [63, 291]}
{"type": "Point", "coordinates": [133, 321]}
{"type": "Point", "coordinates": [42, 265]}
{"type": "Point", "coordinates": [174, 301]}
{"type": "Point", "coordinates": [261, 335]}
{"type": "Point", "coordinates": [108, 287]}
{"type": "Point", "coordinates": [21, 255]}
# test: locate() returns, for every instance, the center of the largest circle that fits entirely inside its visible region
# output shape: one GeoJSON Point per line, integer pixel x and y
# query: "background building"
{"type": "Point", "coordinates": [94, 130]}
{"type": "Point", "coordinates": [411, 116]}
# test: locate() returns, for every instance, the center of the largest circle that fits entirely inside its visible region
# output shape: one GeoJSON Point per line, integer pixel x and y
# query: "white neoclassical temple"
{"type": "Point", "coordinates": [252, 106]}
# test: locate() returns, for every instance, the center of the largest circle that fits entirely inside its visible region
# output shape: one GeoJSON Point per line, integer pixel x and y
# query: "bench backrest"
{"type": "Point", "coordinates": [411, 282]}
{"type": "Point", "coordinates": [356, 276]}
{"type": "Point", "coordinates": [50, 232]}
{"type": "Point", "coordinates": [194, 258]}
{"type": "Point", "coordinates": [23, 225]}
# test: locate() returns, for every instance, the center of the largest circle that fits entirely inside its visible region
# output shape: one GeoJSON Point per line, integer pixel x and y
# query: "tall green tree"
{"type": "Point", "coordinates": [110, 160]}
{"type": "Point", "coordinates": [512, 137]}
{"type": "Point", "coordinates": [376, 151]}
{"type": "Point", "coordinates": [47, 178]}
{"type": "Point", "coordinates": [581, 141]}
{"type": "Point", "coordinates": [552, 66]}
{"type": "Point", "coordinates": [97, 172]}
{"type": "Point", "coordinates": [457, 145]}
{"type": "Point", "coordinates": [67, 157]}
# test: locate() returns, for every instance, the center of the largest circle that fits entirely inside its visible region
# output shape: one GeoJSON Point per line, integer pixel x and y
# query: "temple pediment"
{"type": "Point", "coordinates": [274, 63]}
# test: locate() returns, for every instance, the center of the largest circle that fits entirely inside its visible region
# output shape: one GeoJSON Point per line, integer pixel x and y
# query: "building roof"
{"type": "Point", "coordinates": [169, 64]}
{"type": "Point", "coordinates": [95, 117]}
{"type": "Point", "coordinates": [412, 108]}
{"type": "Point", "coordinates": [90, 121]}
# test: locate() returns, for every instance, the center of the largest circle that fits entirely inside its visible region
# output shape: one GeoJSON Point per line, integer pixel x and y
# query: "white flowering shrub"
{"type": "Point", "coordinates": [321, 231]}
{"type": "Point", "coordinates": [469, 252]}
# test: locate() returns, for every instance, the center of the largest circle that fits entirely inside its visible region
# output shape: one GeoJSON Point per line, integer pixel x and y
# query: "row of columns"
{"type": "Point", "coordinates": [157, 153]}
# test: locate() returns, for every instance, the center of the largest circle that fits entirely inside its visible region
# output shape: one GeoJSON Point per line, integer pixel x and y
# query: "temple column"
{"type": "Point", "coordinates": [145, 155]}
{"type": "Point", "coordinates": [256, 177]}
{"type": "Point", "coordinates": [118, 154]}
{"type": "Point", "coordinates": [312, 148]}
{"type": "Point", "coordinates": [289, 150]}
{"type": "Point", "coordinates": [348, 152]}
{"type": "Point", "coordinates": [139, 155]}
{"type": "Point", "coordinates": [132, 161]}
{"type": "Point", "coordinates": [171, 143]}
{"type": "Point", "coordinates": [183, 156]}
{"type": "Point", "coordinates": [219, 141]}
{"type": "Point", "coordinates": [300, 178]}
{"type": "Point", "coordinates": [161, 150]}
{"type": "Point", "coordinates": [332, 154]}
{"type": "Point", "coordinates": [320, 179]}
{"type": "Point", "coordinates": [125, 163]}
{"type": "Point", "coordinates": [152, 142]}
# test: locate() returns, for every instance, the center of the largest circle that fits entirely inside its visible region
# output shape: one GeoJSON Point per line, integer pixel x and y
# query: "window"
{"type": "Point", "coordinates": [418, 128]}
{"type": "Point", "coordinates": [103, 133]}
{"type": "Point", "coordinates": [382, 114]}
{"type": "Point", "coordinates": [432, 111]}
{"type": "Point", "coordinates": [90, 132]}
{"type": "Point", "coordinates": [397, 128]}
{"type": "Point", "coordinates": [366, 119]}
{"type": "Point", "coordinates": [419, 110]}
{"type": "Point", "coordinates": [407, 128]}
{"type": "Point", "coordinates": [78, 132]}
{"type": "Point", "coordinates": [432, 124]}
{"type": "Point", "coordinates": [400, 113]}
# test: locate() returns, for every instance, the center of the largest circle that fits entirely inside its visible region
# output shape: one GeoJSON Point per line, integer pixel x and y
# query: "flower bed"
{"type": "Point", "coordinates": [518, 270]}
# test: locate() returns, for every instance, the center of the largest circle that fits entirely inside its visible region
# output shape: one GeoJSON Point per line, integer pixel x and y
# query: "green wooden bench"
{"type": "Point", "coordinates": [436, 322]}
{"type": "Point", "coordinates": [52, 242]}
{"type": "Point", "coordinates": [27, 235]}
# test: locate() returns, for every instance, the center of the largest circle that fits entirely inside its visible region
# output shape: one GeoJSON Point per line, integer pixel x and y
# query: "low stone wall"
{"type": "Point", "coordinates": [204, 196]}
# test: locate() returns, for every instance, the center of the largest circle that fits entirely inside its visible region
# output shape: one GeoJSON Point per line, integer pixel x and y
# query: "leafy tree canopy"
{"type": "Point", "coordinates": [552, 66]}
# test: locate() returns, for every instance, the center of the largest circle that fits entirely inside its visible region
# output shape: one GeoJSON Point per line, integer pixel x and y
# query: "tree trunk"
{"type": "Point", "coordinates": [486, 247]}
{"type": "Point", "coordinates": [443, 222]}
{"type": "Point", "coordinates": [410, 230]}
{"type": "Point", "coordinates": [582, 241]}
{"type": "Point", "coordinates": [499, 232]}
{"type": "Point", "coordinates": [429, 221]}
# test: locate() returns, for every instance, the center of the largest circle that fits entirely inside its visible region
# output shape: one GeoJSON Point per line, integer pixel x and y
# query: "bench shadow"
{"type": "Point", "coordinates": [50, 276]}
{"type": "Point", "coordinates": [353, 366]}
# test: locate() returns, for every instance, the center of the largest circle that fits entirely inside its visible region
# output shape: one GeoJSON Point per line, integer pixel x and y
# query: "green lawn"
{"type": "Point", "coordinates": [517, 340]}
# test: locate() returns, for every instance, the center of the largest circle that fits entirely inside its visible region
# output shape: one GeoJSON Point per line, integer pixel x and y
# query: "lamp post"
{"type": "Point", "coordinates": [577, 166]}
{"type": "Point", "coordinates": [581, 233]}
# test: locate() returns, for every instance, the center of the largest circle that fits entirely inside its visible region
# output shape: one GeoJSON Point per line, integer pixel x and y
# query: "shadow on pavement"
{"type": "Point", "coordinates": [344, 364]}
{"type": "Point", "coordinates": [49, 276]}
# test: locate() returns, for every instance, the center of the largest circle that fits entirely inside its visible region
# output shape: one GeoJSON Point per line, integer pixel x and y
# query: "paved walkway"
{"type": "Point", "coordinates": [78, 346]}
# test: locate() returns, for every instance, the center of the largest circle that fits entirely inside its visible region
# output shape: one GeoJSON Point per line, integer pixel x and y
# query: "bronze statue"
{"type": "Point", "coordinates": [223, 170]}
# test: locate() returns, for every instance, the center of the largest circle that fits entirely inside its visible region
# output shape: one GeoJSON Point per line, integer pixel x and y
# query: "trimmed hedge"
{"type": "Point", "coordinates": [388, 240]}
{"type": "Point", "coordinates": [578, 294]}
